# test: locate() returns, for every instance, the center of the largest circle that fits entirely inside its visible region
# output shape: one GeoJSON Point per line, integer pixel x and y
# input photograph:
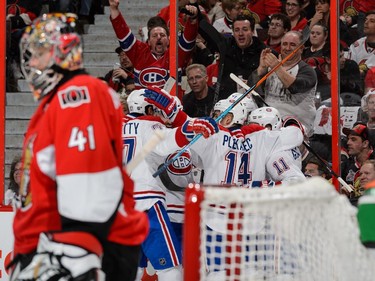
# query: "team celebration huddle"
{"type": "Point", "coordinates": [106, 163]}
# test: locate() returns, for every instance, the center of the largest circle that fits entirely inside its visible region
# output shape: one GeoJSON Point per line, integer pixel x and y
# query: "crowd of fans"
{"type": "Point", "coordinates": [284, 42]}
{"type": "Point", "coordinates": [21, 13]}
{"type": "Point", "coordinates": [235, 36]}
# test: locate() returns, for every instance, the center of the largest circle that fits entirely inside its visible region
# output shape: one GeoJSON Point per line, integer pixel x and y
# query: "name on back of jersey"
{"type": "Point", "coordinates": [237, 144]}
{"type": "Point", "coordinates": [130, 128]}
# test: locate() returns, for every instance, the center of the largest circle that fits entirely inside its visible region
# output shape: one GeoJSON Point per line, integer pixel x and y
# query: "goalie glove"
{"type": "Point", "coordinates": [263, 184]}
{"type": "Point", "coordinates": [162, 100]}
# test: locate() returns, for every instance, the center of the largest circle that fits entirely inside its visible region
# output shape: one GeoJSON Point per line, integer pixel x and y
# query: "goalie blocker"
{"type": "Point", "coordinates": [74, 256]}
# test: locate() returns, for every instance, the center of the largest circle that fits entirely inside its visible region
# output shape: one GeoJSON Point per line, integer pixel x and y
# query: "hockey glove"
{"type": "Point", "coordinates": [238, 134]}
{"type": "Point", "coordinates": [162, 100]}
{"type": "Point", "coordinates": [64, 256]}
{"type": "Point", "coordinates": [205, 126]}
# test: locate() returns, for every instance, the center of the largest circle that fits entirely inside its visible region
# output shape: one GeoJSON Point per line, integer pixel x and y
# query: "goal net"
{"type": "Point", "coordinates": [304, 232]}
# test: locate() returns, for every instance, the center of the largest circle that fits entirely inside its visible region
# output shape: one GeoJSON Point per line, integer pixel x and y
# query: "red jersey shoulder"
{"type": "Point", "coordinates": [82, 89]}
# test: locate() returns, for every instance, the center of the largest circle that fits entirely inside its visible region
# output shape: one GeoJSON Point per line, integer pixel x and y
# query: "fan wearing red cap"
{"type": "Point", "coordinates": [359, 150]}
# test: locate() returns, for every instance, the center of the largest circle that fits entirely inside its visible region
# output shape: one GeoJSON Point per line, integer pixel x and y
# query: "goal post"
{"type": "Point", "coordinates": [305, 231]}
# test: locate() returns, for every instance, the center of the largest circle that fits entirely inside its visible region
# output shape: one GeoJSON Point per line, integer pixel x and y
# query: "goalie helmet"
{"type": "Point", "coordinates": [49, 47]}
{"type": "Point", "coordinates": [239, 111]}
{"type": "Point", "coordinates": [247, 101]}
{"type": "Point", "coordinates": [136, 102]}
{"type": "Point", "coordinates": [266, 117]}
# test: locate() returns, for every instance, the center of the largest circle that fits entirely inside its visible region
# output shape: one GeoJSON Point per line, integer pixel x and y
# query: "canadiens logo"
{"type": "Point", "coordinates": [73, 97]}
{"type": "Point", "coordinates": [157, 127]}
{"type": "Point", "coordinates": [153, 76]}
{"type": "Point", "coordinates": [180, 166]}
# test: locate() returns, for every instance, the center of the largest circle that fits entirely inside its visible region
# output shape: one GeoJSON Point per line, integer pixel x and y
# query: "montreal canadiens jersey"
{"type": "Point", "coordinates": [272, 155]}
{"type": "Point", "coordinates": [72, 161]}
{"type": "Point", "coordinates": [220, 156]}
{"type": "Point", "coordinates": [180, 174]}
{"type": "Point", "coordinates": [148, 69]}
{"type": "Point", "coordinates": [136, 132]}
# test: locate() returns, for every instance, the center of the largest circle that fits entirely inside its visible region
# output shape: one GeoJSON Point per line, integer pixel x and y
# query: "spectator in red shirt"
{"type": "Point", "coordinates": [294, 10]}
{"type": "Point", "coordinates": [263, 9]}
{"type": "Point", "coordinates": [370, 79]}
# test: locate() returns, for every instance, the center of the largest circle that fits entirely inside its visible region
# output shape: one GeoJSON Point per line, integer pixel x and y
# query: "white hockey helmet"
{"type": "Point", "coordinates": [239, 111]}
{"type": "Point", "coordinates": [247, 101]}
{"type": "Point", "coordinates": [266, 116]}
{"type": "Point", "coordinates": [136, 102]}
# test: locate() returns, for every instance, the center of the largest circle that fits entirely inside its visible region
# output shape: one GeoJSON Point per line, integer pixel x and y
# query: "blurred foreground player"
{"type": "Point", "coordinates": [76, 204]}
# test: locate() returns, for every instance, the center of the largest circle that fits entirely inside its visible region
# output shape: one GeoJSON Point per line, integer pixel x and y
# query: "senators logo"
{"type": "Point", "coordinates": [73, 96]}
{"type": "Point", "coordinates": [180, 166]}
{"type": "Point", "coordinates": [153, 76]}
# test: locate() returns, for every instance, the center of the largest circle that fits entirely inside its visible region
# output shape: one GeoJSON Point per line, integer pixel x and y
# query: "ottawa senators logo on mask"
{"type": "Point", "coordinates": [180, 166]}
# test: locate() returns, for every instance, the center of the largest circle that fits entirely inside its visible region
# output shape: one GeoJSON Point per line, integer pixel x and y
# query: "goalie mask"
{"type": "Point", "coordinates": [48, 47]}
{"type": "Point", "coordinates": [266, 117]}
{"type": "Point", "coordinates": [239, 112]}
{"type": "Point", "coordinates": [136, 102]}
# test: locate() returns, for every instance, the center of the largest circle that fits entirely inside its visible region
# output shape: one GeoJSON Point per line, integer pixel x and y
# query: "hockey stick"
{"type": "Point", "coordinates": [308, 147]}
{"type": "Point", "coordinates": [305, 35]}
{"type": "Point", "coordinates": [213, 37]}
{"type": "Point", "coordinates": [169, 84]}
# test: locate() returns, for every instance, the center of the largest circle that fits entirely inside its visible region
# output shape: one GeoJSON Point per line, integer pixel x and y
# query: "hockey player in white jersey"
{"type": "Point", "coordinates": [268, 117]}
{"type": "Point", "coordinates": [161, 246]}
{"type": "Point", "coordinates": [275, 150]}
{"type": "Point", "coordinates": [224, 148]}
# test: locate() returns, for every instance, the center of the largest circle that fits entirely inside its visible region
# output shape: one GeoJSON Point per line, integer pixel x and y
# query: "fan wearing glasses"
{"type": "Point", "coordinates": [279, 25]}
{"type": "Point", "coordinates": [294, 9]}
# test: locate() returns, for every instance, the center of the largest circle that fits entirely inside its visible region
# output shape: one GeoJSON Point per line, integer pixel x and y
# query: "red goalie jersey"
{"type": "Point", "coordinates": [72, 161]}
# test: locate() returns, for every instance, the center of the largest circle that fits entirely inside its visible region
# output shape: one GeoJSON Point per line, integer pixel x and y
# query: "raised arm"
{"type": "Point", "coordinates": [113, 8]}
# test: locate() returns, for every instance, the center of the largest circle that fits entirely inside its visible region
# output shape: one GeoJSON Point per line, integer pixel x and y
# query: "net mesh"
{"type": "Point", "coordinates": [300, 232]}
